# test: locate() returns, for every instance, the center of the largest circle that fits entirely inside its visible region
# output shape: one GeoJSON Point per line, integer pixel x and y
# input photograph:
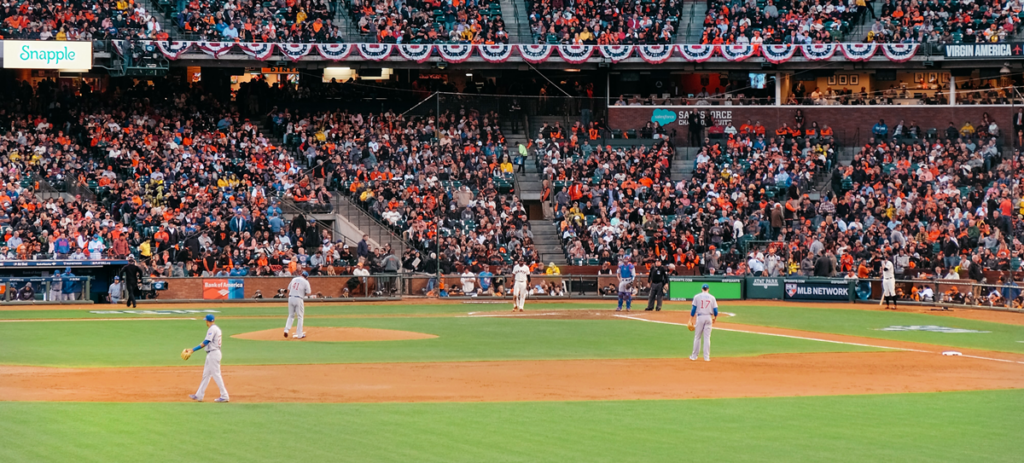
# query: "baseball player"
{"type": "Point", "coordinates": [703, 315]}
{"type": "Point", "coordinates": [625, 274]}
{"type": "Point", "coordinates": [297, 290]}
{"type": "Point", "coordinates": [888, 285]}
{"type": "Point", "coordinates": [211, 369]}
{"type": "Point", "coordinates": [521, 285]}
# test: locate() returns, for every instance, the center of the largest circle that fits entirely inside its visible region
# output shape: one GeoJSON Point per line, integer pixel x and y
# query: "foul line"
{"type": "Point", "coordinates": [822, 340]}
{"type": "Point", "coordinates": [94, 320]}
{"type": "Point", "coordinates": [780, 335]}
{"type": "Point", "coordinates": [524, 314]}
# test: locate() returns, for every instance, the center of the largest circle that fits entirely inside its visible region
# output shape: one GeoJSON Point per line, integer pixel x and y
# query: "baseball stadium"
{"type": "Point", "coordinates": [515, 230]}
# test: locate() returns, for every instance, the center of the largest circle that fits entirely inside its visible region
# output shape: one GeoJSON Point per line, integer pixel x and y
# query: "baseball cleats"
{"type": "Point", "coordinates": [521, 310]}
{"type": "Point", "coordinates": [286, 334]}
{"type": "Point", "coordinates": [707, 360]}
{"type": "Point", "coordinates": [693, 358]}
{"type": "Point", "coordinates": [299, 336]}
{"type": "Point", "coordinates": [195, 397]}
{"type": "Point", "coordinates": [220, 399]}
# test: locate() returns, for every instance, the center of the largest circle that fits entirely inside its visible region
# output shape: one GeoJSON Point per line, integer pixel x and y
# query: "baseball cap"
{"type": "Point", "coordinates": [705, 287]}
{"type": "Point", "coordinates": [117, 278]}
{"type": "Point", "coordinates": [209, 317]}
{"type": "Point", "coordinates": [305, 274]}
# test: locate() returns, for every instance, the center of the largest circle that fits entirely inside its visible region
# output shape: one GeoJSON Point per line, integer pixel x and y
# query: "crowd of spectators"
{"type": "Point", "coordinates": [78, 20]}
{"type": "Point", "coordinates": [168, 173]}
{"type": "Point", "coordinates": [770, 21]}
{"type": "Point", "coordinates": [444, 183]}
{"type": "Point", "coordinates": [430, 21]}
{"type": "Point", "coordinates": [946, 22]}
{"type": "Point", "coordinates": [298, 21]}
{"type": "Point", "coordinates": [611, 22]}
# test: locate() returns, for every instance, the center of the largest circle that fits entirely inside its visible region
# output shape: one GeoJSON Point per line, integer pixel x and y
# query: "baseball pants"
{"type": "Point", "coordinates": [55, 295]}
{"type": "Point", "coordinates": [296, 309]}
{"type": "Point", "coordinates": [519, 295]}
{"type": "Point", "coordinates": [212, 370]}
{"type": "Point", "coordinates": [132, 294]}
{"type": "Point", "coordinates": [888, 288]}
{"type": "Point", "coordinates": [657, 294]}
{"type": "Point", "coordinates": [703, 330]}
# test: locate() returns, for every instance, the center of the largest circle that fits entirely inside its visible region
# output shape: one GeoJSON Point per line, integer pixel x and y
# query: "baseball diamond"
{"type": "Point", "coordinates": [414, 231]}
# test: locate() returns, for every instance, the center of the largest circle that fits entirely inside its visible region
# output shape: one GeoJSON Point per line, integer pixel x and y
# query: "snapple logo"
{"type": "Point", "coordinates": [50, 56]}
{"type": "Point", "coordinates": [663, 116]}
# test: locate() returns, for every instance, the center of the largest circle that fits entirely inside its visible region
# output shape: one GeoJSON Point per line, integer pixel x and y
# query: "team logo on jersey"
{"type": "Point", "coordinates": [930, 329]}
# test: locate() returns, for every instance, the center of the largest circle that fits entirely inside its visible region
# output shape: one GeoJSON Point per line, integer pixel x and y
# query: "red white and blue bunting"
{"type": "Point", "coordinates": [575, 54]}
{"type": "Point", "coordinates": [615, 53]}
{"type": "Point", "coordinates": [654, 54]}
{"type": "Point", "coordinates": [697, 53]}
{"type": "Point", "coordinates": [374, 51]}
{"type": "Point", "coordinates": [737, 52]}
{"type": "Point", "coordinates": [295, 51]}
{"type": "Point", "coordinates": [778, 53]}
{"type": "Point", "coordinates": [859, 51]}
{"type": "Point", "coordinates": [417, 53]}
{"type": "Point", "coordinates": [572, 54]}
{"type": "Point", "coordinates": [819, 51]}
{"type": "Point", "coordinates": [334, 51]}
{"type": "Point", "coordinates": [495, 53]}
{"type": "Point", "coordinates": [535, 53]}
{"type": "Point", "coordinates": [215, 49]}
{"type": "Point", "coordinates": [259, 51]}
{"type": "Point", "coordinates": [455, 53]}
{"type": "Point", "coordinates": [899, 52]}
{"type": "Point", "coordinates": [172, 50]}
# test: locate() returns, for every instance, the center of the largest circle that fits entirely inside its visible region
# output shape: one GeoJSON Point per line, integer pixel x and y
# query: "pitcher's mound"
{"type": "Point", "coordinates": [330, 334]}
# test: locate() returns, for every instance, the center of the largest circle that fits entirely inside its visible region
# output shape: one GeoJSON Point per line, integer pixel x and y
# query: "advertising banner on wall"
{"type": "Point", "coordinates": [223, 288]}
{"type": "Point", "coordinates": [765, 287]}
{"type": "Point", "coordinates": [984, 50]}
{"type": "Point", "coordinates": [818, 290]}
{"type": "Point", "coordinates": [724, 289]}
{"type": "Point", "coordinates": [41, 54]}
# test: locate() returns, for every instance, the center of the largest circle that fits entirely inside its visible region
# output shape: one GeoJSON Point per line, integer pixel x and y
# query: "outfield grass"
{"type": "Point", "coordinates": [1001, 337]}
{"type": "Point", "coordinates": [158, 342]}
{"type": "Point", "coordinates": [948, 427]}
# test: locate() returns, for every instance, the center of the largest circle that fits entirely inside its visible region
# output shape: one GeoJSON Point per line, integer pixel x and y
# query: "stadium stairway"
{"type": "Point", "coordinates": [349, 30]}
{"type": "Point", "coordinates": [691, 24]}
{"type": "Point", "coordinates": [517, 21]}
{"type": "Point", "coordinates": [353, 220]}
{"type": "Point", "coordinates": [547, 242]}
{"type": "Point", "coordinates": [682, 163]}
{"type": "Point", "coordinates": [860, 33]}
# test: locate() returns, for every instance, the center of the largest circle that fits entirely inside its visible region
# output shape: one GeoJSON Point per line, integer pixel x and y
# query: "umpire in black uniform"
{"type": "Point", "coordinates": [658, 278]}
{"type": "Point", "coordinates": [132, 276]}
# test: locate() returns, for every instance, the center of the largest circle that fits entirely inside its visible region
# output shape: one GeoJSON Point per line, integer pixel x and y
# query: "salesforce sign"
{"type": "Point", "coordinates": [35, 54]}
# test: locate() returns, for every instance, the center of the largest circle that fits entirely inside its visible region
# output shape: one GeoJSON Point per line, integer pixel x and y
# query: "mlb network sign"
{"type": "Point", "coordinates": [27, 54]}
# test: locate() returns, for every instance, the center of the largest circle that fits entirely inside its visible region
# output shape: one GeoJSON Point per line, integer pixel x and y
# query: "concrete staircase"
{"type": "Point", "coordinates": [860, 33]}
{"type": "Point", "coordinates": [349, 29]}
{"type": "Point", "coordinates": [354, 216]}
{"type": "Point", "coordinates": [547, 243]}
{"type": "Point", "coordinates": [691, 23]}
{"type": "Point", "coordinates": [517, 21]}
{"type": "Point", "coordinates": [682, 163]}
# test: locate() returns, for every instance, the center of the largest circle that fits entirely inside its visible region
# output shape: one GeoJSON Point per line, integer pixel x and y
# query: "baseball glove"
{"type": "Point", "coordinates": [185, 354]}
{"type": "Point", "coordinates": [690, 326]}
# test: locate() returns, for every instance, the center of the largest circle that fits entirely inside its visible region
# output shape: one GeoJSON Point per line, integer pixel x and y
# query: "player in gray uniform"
{"type": "Point", "coordinates": [705, 309]}
{"type": "Point", "coordinates": [211, 369]}
{"type": "Point", "coordinates": [56, 286]}
{"type": "Point", "coordinates": [297, 290]}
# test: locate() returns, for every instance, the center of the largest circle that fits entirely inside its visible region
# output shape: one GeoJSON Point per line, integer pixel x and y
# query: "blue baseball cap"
{"type": "Point", "coordinates": [209, 317]}
{"type": "Point", "coordinates": [305, 274]}
{"type": "Point", "coordinates": [705, 287]}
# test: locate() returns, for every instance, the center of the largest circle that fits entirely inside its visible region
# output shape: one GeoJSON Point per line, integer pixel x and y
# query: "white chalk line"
{"type": "Point", "coordinates": [517, 314]}
{"type": "Point", "coordinates": [95, 320]}
{"type": "Point", "coordinates": [821, 340]}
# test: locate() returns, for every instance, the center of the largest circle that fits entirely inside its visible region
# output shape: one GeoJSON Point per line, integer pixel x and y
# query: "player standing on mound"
{"type": "Point", "coordinates": [626, 273]}
{"type": "Point", "coordinates": [297, 290]}
{"type": "Point", "coordinates": [702, 317]}
{"type": "Point", "coordinates": [520, 286]}
{"type": "Point", "coordinates": [211, 369]}
{"type": "Point", "coordinates": [888, 285]}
